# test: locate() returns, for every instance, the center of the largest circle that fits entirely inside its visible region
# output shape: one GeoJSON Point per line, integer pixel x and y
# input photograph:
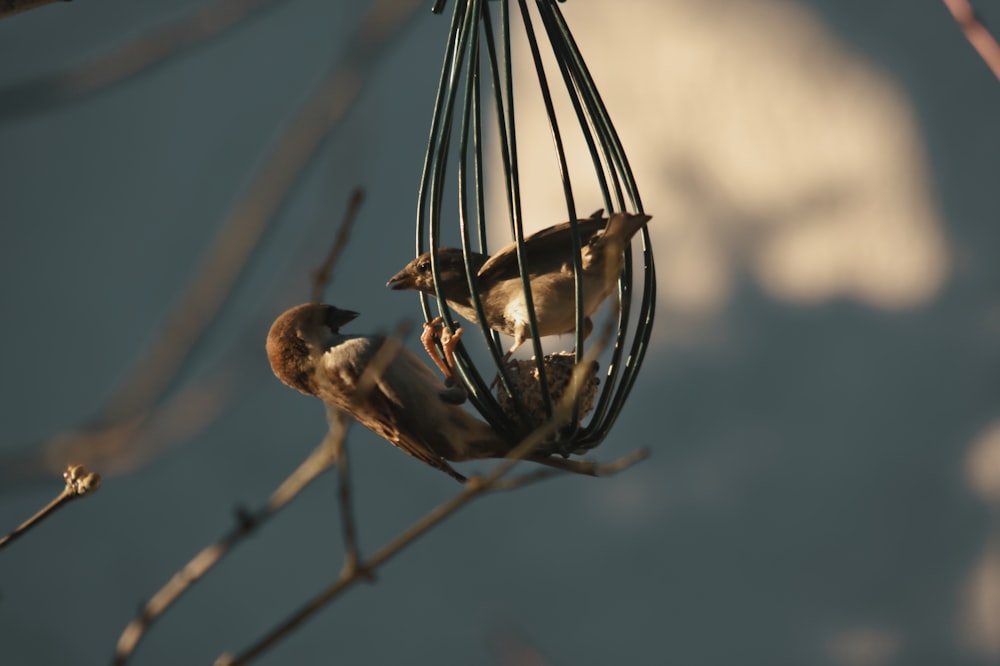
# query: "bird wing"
{"type": "Point", "coordinates": [554, 241]}
{"type": "Point", "coordinates": [477, 259]}
{"type": "Point", "coordinates": [397, 406]}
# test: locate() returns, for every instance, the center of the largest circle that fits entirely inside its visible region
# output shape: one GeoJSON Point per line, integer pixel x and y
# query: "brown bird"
{"type": "Point", "coordinates": [451, 267]}
{"type": "Point", "coordinates": [406, 403]}
{"type": "Point", "coordinates": [549, 262]}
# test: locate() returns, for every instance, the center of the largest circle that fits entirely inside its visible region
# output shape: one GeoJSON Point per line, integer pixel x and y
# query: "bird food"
{"type": "Point", "coordinates": [526, 386]}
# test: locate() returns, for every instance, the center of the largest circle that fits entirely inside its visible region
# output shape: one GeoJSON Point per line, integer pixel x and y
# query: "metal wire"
{"type": "Point", "coordinates": [466, 65]}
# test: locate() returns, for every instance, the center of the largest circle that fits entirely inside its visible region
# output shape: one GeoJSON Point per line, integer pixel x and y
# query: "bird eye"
{"type": "Point", "coordinates": [424, 267]}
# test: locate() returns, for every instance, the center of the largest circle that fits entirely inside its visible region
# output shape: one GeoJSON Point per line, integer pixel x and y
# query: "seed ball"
{"type": "Point", "coordinates": [526, 386]}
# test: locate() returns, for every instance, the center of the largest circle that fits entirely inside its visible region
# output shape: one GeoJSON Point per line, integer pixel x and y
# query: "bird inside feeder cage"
{"type": "Point", "coordinates": [551, 275]}
{"type": "Point", "coordinates": [547, 283]}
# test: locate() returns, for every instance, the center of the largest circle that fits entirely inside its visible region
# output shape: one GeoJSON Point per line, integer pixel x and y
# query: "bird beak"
{"type": "Point", "coordinates": [336, 317]}
{"type": "Point", "coordinates": [401, 280]}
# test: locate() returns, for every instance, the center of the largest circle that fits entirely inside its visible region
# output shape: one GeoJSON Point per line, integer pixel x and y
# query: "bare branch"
{"type": "Point", "coordinates": [977, 34]}
{"type": "Point", "coordinates": [332, 450]}
{"type": "Point", "coordinates": [376, 366]}
{"type": "Point", "coordinates": [318, 462]}
{"type": "Point", "coordinates": [474, 488]}
{"type": "Point", "coordinates": [593, 469]}
{"type": "Point", "coordinates": [321, 277]}
{"type": "Point", "coordinates": [79, 482]}
{"type": "Point", "coordinates": [348, 525]}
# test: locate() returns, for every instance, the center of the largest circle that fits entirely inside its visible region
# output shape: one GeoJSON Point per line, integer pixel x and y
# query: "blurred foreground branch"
{"type": "Point", "coordinates": [131, 59]}
{"type": "Point", "coordinates": [245, 225]}
{"type": "Point", "coordinates": [977, 34]}
{"type": "Point", "coordinates": [137, 400]}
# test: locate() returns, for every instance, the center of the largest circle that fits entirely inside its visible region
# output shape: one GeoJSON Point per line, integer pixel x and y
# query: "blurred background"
{"type": "Point", "coordinates": [822, 400]}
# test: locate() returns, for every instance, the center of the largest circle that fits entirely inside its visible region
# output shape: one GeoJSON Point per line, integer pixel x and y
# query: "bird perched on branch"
{"type": "Point", "coordinates": [549, 263]}
{"type": "Point", "coordinates": [384, 387]}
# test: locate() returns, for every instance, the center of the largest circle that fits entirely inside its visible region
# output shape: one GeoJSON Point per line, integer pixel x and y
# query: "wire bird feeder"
{"type": "Point", "coordinates": [468, 69]}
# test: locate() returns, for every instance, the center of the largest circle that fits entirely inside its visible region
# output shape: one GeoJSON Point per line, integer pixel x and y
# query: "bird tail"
{"type": "Point", "coordinates": [625, 225]}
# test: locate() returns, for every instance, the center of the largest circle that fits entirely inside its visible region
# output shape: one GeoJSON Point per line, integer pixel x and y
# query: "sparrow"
{"type": "Point", "coordinates": [451, 268]}
{"type": "Point", "coordinates": [407, 404]}
{"type": "Point", "coordinates": [549, 262]}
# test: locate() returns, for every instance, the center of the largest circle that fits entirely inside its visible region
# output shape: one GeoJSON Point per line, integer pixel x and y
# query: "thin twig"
{"type": "Point", "coordinates": [322, 457]}
{"type": "Point", "coordinates": [321, 277]}
{"type": "Point", "coordinates": [597, 469]}
{"type": "Point", "coordinates": [982, 41]}
{"type": "Point", "coordinates": [385, 355]}
{"type": "Point", "coordinates": [473, 489]}
{"type": "Point", "coordinates": [348, 525]}
{"type": "Point", "coordinates": [79, 482]}
{"type": "Point", "coordinates": [332, 450]}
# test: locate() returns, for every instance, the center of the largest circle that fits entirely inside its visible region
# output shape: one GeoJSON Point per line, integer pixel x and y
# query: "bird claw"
{"type": "Point", "coordinates": [436, 331]}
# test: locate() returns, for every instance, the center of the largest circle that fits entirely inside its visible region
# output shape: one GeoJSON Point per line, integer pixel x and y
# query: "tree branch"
{"type": "Point", "coordinates": [474, 488]}
{"type": "Point", "coordinates": [982, 41]}
{"type": "Point", "coordinates": [348, 525]}
{"type": "Point", "coordinates": [321, 277]}
{"type": "Point", "coordinates": [79, 482]}
{"type": "Point", "coordinates": [320, 460]}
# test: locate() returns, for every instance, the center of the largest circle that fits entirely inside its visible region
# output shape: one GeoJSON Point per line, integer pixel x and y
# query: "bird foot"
{"type": "Point", "coordinates": [436, 331]}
